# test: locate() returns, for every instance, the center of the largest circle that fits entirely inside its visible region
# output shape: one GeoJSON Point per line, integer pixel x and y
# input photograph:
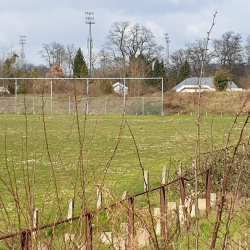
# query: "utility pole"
{"type": "Point", "coordinates": [167, 65]}
{"type": "Point", "coordinates": [22, 42]}
{"type": "Point", "coordinates": [90, 20]}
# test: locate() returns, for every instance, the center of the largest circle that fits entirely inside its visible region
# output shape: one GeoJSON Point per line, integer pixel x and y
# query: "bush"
{"type": "Point", "coordinates": [221, 79]}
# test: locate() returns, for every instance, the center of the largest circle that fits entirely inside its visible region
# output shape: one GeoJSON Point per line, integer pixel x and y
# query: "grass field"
{"type": "Point", "coordinates": [49, 159]}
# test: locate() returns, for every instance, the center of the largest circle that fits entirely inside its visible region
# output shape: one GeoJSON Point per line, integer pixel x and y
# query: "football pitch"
{"type": "Point", "coordinates": [47, 160]}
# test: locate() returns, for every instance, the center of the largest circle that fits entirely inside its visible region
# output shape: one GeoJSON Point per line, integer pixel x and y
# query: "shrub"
{"type": "Point", "coordinates": [221, 79]}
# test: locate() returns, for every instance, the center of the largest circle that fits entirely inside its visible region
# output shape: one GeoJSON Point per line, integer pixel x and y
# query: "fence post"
{"type": "Point", "coordinates": [182, 185]}
{"type": "Point", "coordinates": [15, 96]}
{"type": "Point", "coordinates": [89, 231]}
{"type": "Point", "coordinates": [87, 86]}
{"type": "Point", "coordinates": [33, 106]}
{"type": "Point", "coordinates": [146, 180]}
{"type": "Point", "coordinates": [69, 106]}
{"type": "Point", "coordinates": [71, 209]}
{"type": "Point", "coordinates": [35, 222]}
{"type": "Point", "coordinates": [99, 197]}
{"type": "Point", "coordinates": [163, 212]}
{"type": "Point", "coordinates": [163, 203]}
{"type": "Point", "coordinates": [183, 195]}
{"type": "Point", "coordinates": [106, 111]}
{"type": "Point", "coordinates": [25, 237]}
{"type": "Point", "coordinates": [143, 105]}
{"type": "Point", "coordinates": [124, 95]}
{"type": "Point", "coordinates": [162, 97]}
{"type": "Point", "coordinates": [87, 105]}
{"type": "Point", "coordinates": [51, 97]}
{"type": "Point", "coordinates": [131, 222]}
{"type": "Point", "coordinates": [208, 185]}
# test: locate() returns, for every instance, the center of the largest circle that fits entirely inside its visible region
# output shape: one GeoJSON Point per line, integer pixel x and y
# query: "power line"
{"type": "Point", "coordinates": [90, 20]}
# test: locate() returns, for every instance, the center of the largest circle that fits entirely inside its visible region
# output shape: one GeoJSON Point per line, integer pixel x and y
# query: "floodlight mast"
{"type": "Point", "coordinates": [90, 20]}
{"type": "Point", "coordinates": [167, 65]}
{"type": "Point", "coordinates": [22, 42]}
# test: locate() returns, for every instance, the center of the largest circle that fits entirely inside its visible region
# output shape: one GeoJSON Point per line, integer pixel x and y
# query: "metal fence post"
{"type": "Point", "coordinates": [163, 212]}
{"type": "Point", "coordinates": [15, 96]}
{"type": "Point", "coordinates": [124, 95]}
{"type": "Point", "coordinates": [183, 195]}
{"type": "Point", "coordinates": [131, 222]}
{"type": "Point", "coordinates": [25, 238]}
{"type": "Point", "coordinates": [208, 186]}
{"type": "Point", "coordinates": [106, 111]}
{"type": "Point", "coordinates": [87, 105]}
{"type": "Point", "coordinates": [33, 105]}
{"type": "Point", "coordinates": [69, 106]}
{"type": "Point", "coordinates": [162, 97]}
{"type": "Point", "coordinates": [51, 97]}
{"type": "Point", "coordinates": [87, 86]}
{"type": "Point", "coordinates": [143, 105]}
{"type": "Point", "coordinates": [89, 231]}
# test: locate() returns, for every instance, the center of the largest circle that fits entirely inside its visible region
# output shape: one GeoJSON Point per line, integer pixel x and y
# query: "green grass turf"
{"type": "Point", "coordinates": [27, 158]}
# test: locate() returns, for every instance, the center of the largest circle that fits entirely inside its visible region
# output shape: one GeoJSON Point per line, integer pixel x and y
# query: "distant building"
{"type": "Point", "coordinates": [4, 90]}
{"type": "Point", "coordinates": [191, 85]}
{"type": "Point", "coordinates": [119, 88]}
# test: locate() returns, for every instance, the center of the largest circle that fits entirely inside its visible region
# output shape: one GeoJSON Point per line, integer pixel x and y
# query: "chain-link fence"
{"type": "Point", "coordinates": [88, 105]}
{"type": "Point", "coordinates": [96, 96]}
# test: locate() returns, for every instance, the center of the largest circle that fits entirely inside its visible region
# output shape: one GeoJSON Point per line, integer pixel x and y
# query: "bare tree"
{"type": "Point", "coordinates": [247, 49]}
{"type": "Point", "coordinates": [70, 53]}
{"type": "Point", "coordinates": [178, 58]}
{"type": "Point", "coordinates": [194, 54]}
{"type": "Point", "coordinates": [52, 53]}
{"type": "Point", "coordinates": [57, 53]}
{"type": "Point", "coordinates": [126, 41]}
{"type": "Point", "coordinates": [228, 50]}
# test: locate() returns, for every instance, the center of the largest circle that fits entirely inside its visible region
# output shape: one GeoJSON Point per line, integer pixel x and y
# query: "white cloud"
{"type": "Point", "coordinates": [64, 21]}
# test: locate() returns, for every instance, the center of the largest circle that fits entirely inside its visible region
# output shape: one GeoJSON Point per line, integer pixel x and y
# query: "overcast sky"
{"type": "Point", "coordinates": [46, 21]}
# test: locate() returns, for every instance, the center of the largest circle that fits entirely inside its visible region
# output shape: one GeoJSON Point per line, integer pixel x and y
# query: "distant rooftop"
{"type": "Point", "coordinates": [205, 81]}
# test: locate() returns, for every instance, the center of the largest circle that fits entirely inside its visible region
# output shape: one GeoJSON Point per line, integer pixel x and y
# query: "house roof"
{"type": "Point", "coordinates": [205, 81]}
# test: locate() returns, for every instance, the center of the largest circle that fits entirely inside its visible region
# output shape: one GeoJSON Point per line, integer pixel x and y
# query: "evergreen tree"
{"type": "Point", "coordinates": [80, 67]}
{"type": "Point", "coordinates": [172, 80]}
{"type": "Point", "coordinates": [185, 71]}
{"type": "Point", "coordinates": [158, 71]}
{"type": "Point", "coordinates": [34, 73]}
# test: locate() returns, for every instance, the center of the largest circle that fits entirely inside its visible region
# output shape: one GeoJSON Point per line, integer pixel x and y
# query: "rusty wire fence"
{"type": "Point", "coordinates": [152, 219]}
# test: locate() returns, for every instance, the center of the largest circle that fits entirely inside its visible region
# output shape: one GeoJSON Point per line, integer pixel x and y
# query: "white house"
{"type": "Point", "coordinates": [119, 88]}
{"type": "Point", "coordinates": [4, 90]}
{"type": "Point", "coordinates": [192, 85]}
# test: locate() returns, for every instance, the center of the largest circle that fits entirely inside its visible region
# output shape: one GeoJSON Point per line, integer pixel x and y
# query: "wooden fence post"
{"type": "Point", "coordinates": [35, 224]}
{"type": "Point", "coordinates": [99, 197]}
{"type": "Point", "coordinates": [208, 186]}
{"type": "Point", "coordinates": [71, 209]}
{"type": "Point", "coordinates": [146, 180]}
{"type": "Point", "coordinates": [131, 222]}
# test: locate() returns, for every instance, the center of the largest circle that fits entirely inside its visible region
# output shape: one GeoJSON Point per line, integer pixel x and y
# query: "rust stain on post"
{"type": "Point", "coordinates": [163, 212]}
{"type": "Point", "coordinates": [25, 237]}
{"type": "Point", "coordinates": [89, 231]}
{"type": "Point", "coordinates": [131, 222]}
{"type": "Point", "coordinates": [183, 195]}
{"type": "Point", "coordinates": [208, 191]}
